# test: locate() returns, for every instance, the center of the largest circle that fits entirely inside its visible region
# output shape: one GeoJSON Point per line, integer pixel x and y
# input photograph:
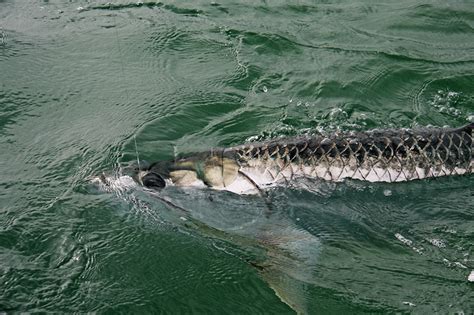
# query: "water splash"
{"type": "Point", "coordinates": [445, 101]}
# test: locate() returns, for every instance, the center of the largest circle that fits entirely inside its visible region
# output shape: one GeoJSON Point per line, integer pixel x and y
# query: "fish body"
{"type": "Point", "coordinates": [382, 155]}
{"type": "Point", "coordinates": [290, 252]}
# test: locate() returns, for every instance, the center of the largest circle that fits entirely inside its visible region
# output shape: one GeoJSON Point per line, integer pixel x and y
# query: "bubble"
{"type": "Point", "coordinates": [387, 192]}
{"type": "Point", "coordinates": [445, 102]}
{"type": "Point", "coordinates": [264, 89]}
{"type": "Point", "coordinates": [437, 242]}
{"type": "Point", "coordinates": [452, 94]}
{"type": "Point", "coordinates": [252, 139]}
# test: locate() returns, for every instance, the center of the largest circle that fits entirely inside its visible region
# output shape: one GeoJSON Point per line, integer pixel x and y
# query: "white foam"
{"type": "Point", "coordinates": [470, 278]}
{"type": "Point", "coordinates": [114, 183]}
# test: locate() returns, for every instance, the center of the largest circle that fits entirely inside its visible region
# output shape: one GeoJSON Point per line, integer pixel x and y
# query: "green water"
{"type": "Point", "coordinates": [80, 80]}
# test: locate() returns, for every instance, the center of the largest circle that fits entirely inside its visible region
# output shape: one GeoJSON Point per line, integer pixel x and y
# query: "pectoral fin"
{"type": "Point", "coordinates": [289, 290]}
{"type": "Point", "coordinates": [292, 254]}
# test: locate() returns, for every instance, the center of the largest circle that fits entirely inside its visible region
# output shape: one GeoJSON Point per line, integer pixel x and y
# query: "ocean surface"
{"type": "Point", "coordinates": [87, 87]}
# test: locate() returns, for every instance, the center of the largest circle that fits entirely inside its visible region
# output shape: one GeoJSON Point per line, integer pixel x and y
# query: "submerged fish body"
{"type": "Point", "coordinates": [390, 155]}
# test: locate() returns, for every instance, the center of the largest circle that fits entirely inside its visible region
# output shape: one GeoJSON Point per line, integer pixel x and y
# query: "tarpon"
{"type": "Point", "coordinates": [381, 155]}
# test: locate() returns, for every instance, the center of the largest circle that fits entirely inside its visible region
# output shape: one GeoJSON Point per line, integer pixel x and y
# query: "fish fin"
{"type": "Point", "coordinates": [289, 290]}
{"type": "Point", "coordinates": [291, 258]}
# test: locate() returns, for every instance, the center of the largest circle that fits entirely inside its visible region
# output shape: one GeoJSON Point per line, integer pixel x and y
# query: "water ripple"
{"type": "Point", "coordinates": [82, 83]}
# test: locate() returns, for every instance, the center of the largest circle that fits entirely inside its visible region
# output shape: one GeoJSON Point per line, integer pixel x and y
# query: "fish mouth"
{"type": "Point", "coordinates": [113, 183]}
{"type": "Point", "coordinates": [127, 176]}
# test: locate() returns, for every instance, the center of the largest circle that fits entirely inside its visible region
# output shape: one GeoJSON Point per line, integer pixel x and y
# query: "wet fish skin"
{"type": "Point", "coordinates": [410, 153]}
{"type": "Point", "coordinates": [382, 155]}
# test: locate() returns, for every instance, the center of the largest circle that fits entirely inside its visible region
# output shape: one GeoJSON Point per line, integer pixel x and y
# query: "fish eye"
{"type": "Point", "coordinates": [153, 180]}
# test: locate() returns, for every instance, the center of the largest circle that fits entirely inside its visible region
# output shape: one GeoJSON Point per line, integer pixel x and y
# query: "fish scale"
{"type": "Point", "coordinates": [406, 153]}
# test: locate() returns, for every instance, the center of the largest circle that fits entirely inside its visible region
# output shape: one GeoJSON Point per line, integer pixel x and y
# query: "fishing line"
{"type": "Point", "coordinates": [136, 151]}
{"type": "Point", "coordinates": [127, 95]}
{"type": "Point", "coordinates": [119, 48]}
{"type": "Point", "coordinates": [120, 53]}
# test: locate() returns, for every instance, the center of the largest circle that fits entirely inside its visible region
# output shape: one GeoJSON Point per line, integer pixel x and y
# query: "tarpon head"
{"type": "Point", "coordinates": [204, 170]}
